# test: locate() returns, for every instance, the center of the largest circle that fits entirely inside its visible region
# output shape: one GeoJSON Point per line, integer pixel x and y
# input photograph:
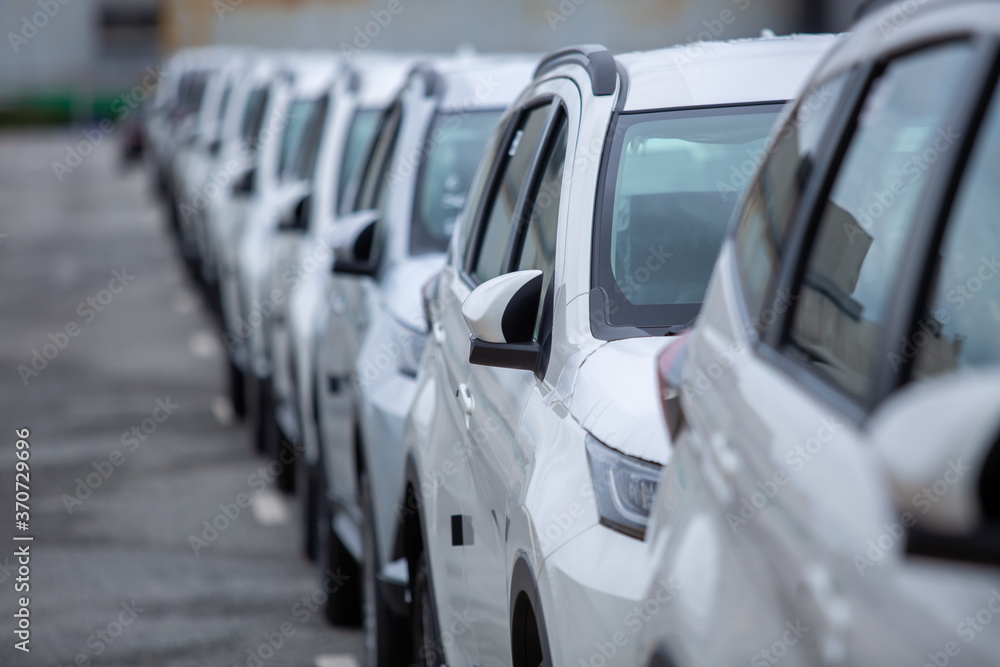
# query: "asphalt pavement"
{"type": "Point", "coordinates": [158, 536]}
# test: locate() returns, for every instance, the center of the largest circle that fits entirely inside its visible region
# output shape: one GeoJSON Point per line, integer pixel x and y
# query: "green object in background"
{"type": "Point", "coordinates": [56, 107]}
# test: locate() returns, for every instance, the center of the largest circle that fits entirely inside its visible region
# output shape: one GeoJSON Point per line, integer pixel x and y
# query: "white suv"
{"type": "Point", "coordinates": [833, 497]}
{"type": "Point", "coordinates": [533, 455]}
{"type": "Point", "coordinates": [413, 186]}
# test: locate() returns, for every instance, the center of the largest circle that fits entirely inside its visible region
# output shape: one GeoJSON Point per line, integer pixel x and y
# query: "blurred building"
{"type": "Point", "coordinates": [71, 57]}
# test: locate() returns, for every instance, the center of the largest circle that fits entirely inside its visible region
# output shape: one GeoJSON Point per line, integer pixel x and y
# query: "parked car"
{"type": "Point", "coordinates": [362, 90]}
{"type": "Point", "coordinates": [294, 113]}
{"type": "Point", "coordinates": [533, 452]}
{"type": "Point", "coordinates": [832, 498]}
{"type": "Point", "coordinates": [413, 185]}
{"type": "Point", "coordinates": [195, 166]}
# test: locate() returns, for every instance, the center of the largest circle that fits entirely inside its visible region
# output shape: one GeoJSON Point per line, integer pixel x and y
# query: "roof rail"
{"type": "Point", "coordinates": [433, 84]}
{"type": "Point", "coordinates": [596, 59]}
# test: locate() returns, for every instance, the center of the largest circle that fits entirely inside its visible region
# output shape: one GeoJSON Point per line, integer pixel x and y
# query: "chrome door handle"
{"type": "Point", "coordinates": [439, 333]}
{"type": "Point", "coordinates": [465, 398]}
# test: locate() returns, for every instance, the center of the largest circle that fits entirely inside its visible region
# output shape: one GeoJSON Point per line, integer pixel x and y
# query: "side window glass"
{"type": "Point", "coordinates": [848, 283]}
{"type": "Point", "coordinates": [774, 197]}
{"type": "Point", "coordinates": [538, 249]}
{"type": "Point", "coordinates": [498, 219]}
{"type": "Point", "coordinates": [374, 174]}
{"type": "Point", "coordinates": [960, 327]}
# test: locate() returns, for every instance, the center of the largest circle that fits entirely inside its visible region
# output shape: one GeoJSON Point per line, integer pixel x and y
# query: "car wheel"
{"type": "Point", "coordinates": [265, 431]}
{"type": "Point", "coordinates": [427, 649]}
{"type": "Point", "coordinates": [237, 390]}
{"type": "Point", "coordinates": [343, 602]}
{"type": "Point", "coordinates": [382, 628]}
{"type": "Point", "coordinates": [309, 483]}
{"type": "Point", "coordinates": [286, 458]}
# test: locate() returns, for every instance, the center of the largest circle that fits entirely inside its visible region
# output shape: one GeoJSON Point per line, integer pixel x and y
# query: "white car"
{"type": "Point", "coordinates": [294, 112]}
{"type": "Point", "coordinates": [362, 90]}
{"type": "Point", "coordinates": [832, 498]}
{"type": "Point", "coordinates": [196, 164]}
{"type": "Point", "coordinates": [534, 451]}
{"type": "Point", "coordinates": [413, 186]}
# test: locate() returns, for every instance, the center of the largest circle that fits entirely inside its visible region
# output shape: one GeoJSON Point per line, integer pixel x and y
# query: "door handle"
{"type": "Point", "coordinates": [465, 398]}
{"type": "Point", "coordinates": [833, 609]}
{"type": "Point", "coordinates": [726, 457]}
{"type": "Point", "coordinates": [439, 333]}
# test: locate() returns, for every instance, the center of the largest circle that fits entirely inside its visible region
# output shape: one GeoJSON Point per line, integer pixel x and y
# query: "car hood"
{"type": "Point", "coordinates": [402, 288]}
{"type": "Point", "coordinates": [613, 392]}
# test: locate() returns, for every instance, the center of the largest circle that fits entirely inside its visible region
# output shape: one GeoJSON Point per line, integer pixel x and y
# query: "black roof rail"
{"type": "Point", "coordinates": [433, 83]}
{"type": "Point", "coordinates": [596, 59]}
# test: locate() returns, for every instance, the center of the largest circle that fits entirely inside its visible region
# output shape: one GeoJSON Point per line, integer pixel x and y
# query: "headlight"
{"type": "Point", "coordinates": [624, 488]}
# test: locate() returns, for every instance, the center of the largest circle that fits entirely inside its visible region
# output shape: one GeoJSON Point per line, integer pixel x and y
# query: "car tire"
{"type": "Point", "coordinates": [265, 431]}
{"type": "Point", "coordinates": [426, 647]}
{"type": "Point", "coordinates": [309, 483]}
{"type": "Point", "coordinates": [382, 628]}
{"type": "Point", "coordinates": [237, 390]}
{"type": "Point", "coordinates": [286, 458]}
{"type": "Point", "coordinates": [343, 602]}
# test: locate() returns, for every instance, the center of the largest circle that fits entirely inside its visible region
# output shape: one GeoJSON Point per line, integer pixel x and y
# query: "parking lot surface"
{"type": "Point", "coordinates": [159, 537]}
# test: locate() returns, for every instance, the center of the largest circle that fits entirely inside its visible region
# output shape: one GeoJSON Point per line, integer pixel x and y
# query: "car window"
{"type": "Point", "coordinates": [847, 283]}
{"type": "Point", "coordinates": [666, 207]}
{"type": "Point", "coordinates": [454, 146]}
{"type": "Point", "coordinates": [376, 173]}
{"type": "Point", "coordinates": [538, 247]}
{"type": "Point", "coordinates": [499, 215]}
{"type": "Point", "coordinates": [312, 136]}
{"type": "Point", "coordinates": [362, 128]}
{"type": "Point", "coordinates": [297, 122]}
{"type": "Point", "coordinates": [774, 196]}
{"type": "Point", "coordinates": [960, 327]}
{"type": "Point", "coordinates": [253, 118]}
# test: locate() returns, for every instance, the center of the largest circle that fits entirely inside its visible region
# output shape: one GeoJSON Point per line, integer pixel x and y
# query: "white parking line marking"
{"type": "Point", "coordinates": [203, 345]}
{"type": "Point", "coordinates": [341, 660]}
{"type": "Point", "coordinates": [269, 508]}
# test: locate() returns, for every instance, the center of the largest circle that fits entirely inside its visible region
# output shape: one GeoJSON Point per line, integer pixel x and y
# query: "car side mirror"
{"type": "Point", "coordinates": [245, 185]}
{"type": "Point", "coordinates": [940, 444]}
{"type": "Point", "coordinates": [297, 218]}
{"type": "Point", "coordinates": [501, 315]}
{"type": "Point", "coordinates": [354, 256]}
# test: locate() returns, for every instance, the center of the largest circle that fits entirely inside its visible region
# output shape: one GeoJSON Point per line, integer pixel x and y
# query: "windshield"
{"type": "Point", "coordinates": [362, 129]}
{"type": "Point", "coordinates": [674, 178]}
{"type": "Point", "coordinates": [454, 146]}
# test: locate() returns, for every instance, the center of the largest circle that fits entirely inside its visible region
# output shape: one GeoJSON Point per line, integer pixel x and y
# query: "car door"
{"type": "Point", "coordinates": [782, 445]}
{"type": "Point", "coordinates": [520, 222]}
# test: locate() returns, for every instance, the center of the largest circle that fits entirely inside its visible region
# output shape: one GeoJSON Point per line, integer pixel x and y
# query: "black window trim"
{"type": "Point", "coordinates": [369, 154]}
{"type": "Point", "coordinates": [497, 170]}
{"type": "Point", "coordinates": [773, 345]}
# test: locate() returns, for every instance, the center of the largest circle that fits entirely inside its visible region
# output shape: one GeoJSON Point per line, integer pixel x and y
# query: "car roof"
{"type": "Point", "coordinates": [379, 76]}
{"type": "Point", "coordinates": [725, 72]}
{"type": "Point", "coordinates": [471, 82]}
{"type": "Point", "coordinates": [898, 28]}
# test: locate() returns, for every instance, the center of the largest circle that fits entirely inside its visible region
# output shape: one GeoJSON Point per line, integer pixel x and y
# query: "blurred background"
{"type": "Point", "coordinates": [67, 60]}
